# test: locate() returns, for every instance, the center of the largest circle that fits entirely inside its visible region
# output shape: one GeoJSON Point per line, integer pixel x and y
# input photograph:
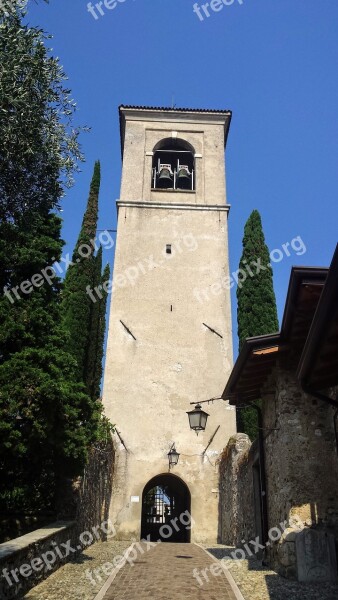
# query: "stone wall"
{"type": "Point", "coordinates": [29, 559]}
{"type": "Point", "coordinates": [94, 489]}
{"type": "Point", "coordinates": [301, 466]}
{"type": "Point", "coordinates": [302, 483]}
{"type": "Point", "coordinates": [236, 499]}
{"type": "Point", "coordinates": [17, 525]}
{"type": "Point", "coordinates": [87, 501]}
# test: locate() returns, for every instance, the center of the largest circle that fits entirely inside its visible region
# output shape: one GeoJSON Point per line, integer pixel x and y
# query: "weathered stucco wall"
{"type": "Point", "coordinates": [204, 132]}
{"type": "Point", "coordinates": [170, 334]}
{"type": "Point", "coordinates": [174, 360]}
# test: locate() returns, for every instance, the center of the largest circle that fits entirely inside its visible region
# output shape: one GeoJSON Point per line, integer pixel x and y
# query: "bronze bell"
{"type": "Point", "coordinates": [165, 178]}
{"type": "Point", "coordinates": [184, 178]}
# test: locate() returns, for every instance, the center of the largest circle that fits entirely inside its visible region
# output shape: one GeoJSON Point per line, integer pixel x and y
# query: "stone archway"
{"type": "Point", "coordinates": [166, 504]}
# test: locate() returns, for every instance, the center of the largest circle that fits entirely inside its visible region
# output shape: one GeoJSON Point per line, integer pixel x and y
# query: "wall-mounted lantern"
{"type": "Point", "coordinates": [173, 456]}
{"type": "Point", "coordinates": [198, 419]}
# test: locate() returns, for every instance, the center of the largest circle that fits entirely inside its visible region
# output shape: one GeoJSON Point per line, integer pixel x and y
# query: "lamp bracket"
{"type": "Point", "coordinates": [208, 401]}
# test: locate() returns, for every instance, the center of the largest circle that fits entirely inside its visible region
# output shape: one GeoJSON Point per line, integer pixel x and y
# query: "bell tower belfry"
{"type": "Point", "coordinates": [170, 335]}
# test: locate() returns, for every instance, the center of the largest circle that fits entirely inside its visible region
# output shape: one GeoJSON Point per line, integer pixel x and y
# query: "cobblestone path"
{"type": "Point", "coordinates": [165, 572]}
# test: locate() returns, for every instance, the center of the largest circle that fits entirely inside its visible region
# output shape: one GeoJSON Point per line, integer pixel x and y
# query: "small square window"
{"type": "Point", "coordinates": [168, 248]}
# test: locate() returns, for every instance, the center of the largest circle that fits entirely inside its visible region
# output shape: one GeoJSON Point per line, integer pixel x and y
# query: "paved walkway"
{"type": "Point", "coordinates": [165, 572]}
{"type": "Point", "coordinates": [84, 577]}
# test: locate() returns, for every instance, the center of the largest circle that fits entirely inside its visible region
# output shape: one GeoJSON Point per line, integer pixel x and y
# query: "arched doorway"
{"type": "Point", "coordinates": [166, 505]}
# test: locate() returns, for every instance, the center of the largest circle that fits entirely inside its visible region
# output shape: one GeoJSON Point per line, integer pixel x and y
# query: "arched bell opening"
{"type": "Point", "coordinates": [173, 165]}
{"type": "Point", "coordinates": [166, 510]}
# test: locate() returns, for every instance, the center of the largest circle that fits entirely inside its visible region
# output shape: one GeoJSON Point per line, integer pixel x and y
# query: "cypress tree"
{"type": "Point", "coordinates": [83, 318]}
{"type": "Point", "coordinates": [93, 332]}
{"type": "Point", "coordinates": [101, 332]}
{"type": "Point", "coordinates": [257, 310]}
{"type": "Point", "coordinates": [98, 329]}
{"type": "Point", "coordinates": [77, 305]}
{"type": "Point", "coordinates": [47, 421]}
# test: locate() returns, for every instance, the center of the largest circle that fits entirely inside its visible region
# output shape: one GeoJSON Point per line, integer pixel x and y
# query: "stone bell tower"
{"type": "Point", "coordinates": [170, 337]}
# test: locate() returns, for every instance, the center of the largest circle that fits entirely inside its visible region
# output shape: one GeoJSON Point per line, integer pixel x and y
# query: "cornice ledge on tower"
{"type": "Point", "coordinates": [172, 206]}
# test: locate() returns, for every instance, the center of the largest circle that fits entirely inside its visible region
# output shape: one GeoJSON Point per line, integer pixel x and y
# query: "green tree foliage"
{"type": "Point", "coordinates": [39, 149]}
{"type": "Point", "coordinates": [47, 421]}
{"type": "Point", "coordinates": [94, 359]}
{"type": "Point", "coordinates": [92, 346]}
{"type": "Point", "coordinates": [84, 319]}
{"type": "Point", "coordinates": [257, 311]}
{"type": "Point", "coordinates": [78, 308]}
{"type": "Point", "coordinates": [101, 330]}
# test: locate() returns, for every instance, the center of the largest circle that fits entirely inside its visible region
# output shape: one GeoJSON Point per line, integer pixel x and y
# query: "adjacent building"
{"type": "Point", "coordinates": [291, 475]}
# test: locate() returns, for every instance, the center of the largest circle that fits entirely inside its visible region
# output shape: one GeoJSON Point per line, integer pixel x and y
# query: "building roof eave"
{"type": "Point", "coordinates": [318, 352]}
{"type": "Point", "coordinates": [250, 345]}
{"type": "Point", "coordinates": [255, 361]}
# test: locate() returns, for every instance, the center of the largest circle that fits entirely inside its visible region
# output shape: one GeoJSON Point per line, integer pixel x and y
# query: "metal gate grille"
{"type": "Point", "coordinates": [164, 499]}
{"type": "Point", "coordinates": [159, 506]}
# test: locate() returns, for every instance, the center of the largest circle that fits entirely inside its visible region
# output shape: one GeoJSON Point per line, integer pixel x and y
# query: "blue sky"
{"type": "Point", "coordinates": [274, 63]}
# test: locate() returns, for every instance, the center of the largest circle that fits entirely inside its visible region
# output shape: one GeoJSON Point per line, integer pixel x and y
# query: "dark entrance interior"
{"type": "Point", "coordinates": [165, 499]}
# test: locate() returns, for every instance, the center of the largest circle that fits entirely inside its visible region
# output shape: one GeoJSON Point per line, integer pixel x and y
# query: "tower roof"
{"type": "Point", "coordinates": [171, 109]}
